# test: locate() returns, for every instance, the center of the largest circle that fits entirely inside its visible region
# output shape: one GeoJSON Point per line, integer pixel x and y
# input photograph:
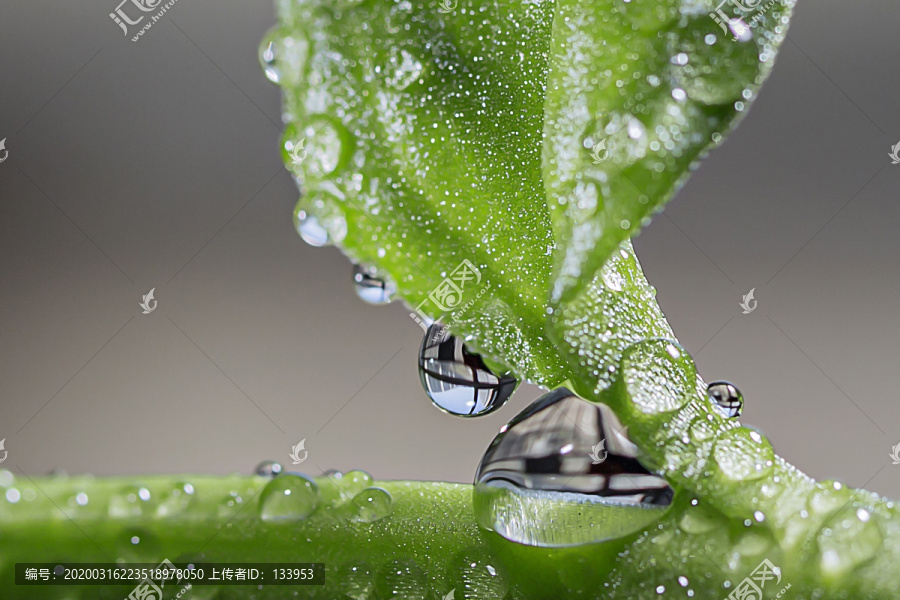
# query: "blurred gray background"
{"type": "Point", "coordinates": [155, 164]}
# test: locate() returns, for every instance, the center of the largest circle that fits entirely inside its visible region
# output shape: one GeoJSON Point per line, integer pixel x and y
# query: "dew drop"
{"type": "Point", "coordinates": [743, 454]}
{"type": "Point", "coordinates": [529, 491]}
{"type": "Point", "coordinates": [710, 67]}
{"type": "Point", "coordinates": [402, 580]}
{"type": "Point", "coordinates": [727, 399]}
{"type": "Point", "coordinates": [372, 504]}
{"type": "Point", "coordinates": [849, 543]}
{"type": "Point", "coordinates": [458, 381]}
{"type": "Point", "coordinates": [477, 579]}
{"type": "Point", "coordinates": [268, 468]}
{"type": "Point", "coordinates": [403, 69]}
{"type": "Point", "coordinates": [355, 581]}
{"type": "Point", "coordinates": [267, 51]}
{"type": "Point", "coordinates": [6, 478]}
{"type": "Point", "coordinates": [310, 229]}
{"type": "Point", "coordinates": [176, 500]}
{"type": "Point", "coordinates": [354, 482]}
{"type": "Point", "coordinates": [370, 288]}
{"type": "Point", "coordinates": [659, 375]}
{"type": "Point", "coordinates": [289, 497]}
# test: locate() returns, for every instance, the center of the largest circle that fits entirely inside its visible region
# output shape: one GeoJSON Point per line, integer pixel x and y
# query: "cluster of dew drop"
{"type": "Point", "coordinates": [672, 94]}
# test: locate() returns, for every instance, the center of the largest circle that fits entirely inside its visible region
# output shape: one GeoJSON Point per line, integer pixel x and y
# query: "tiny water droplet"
{"type": "Point", "coordinates": [478, 580]}
{"type": "Point", "coordinates": [289, 497]}
{"type": "Point", "coordinates": [529, 491]}
{"type": "Point", "coordinates": [130, 501]}
{"type": "Point", "coordinates": [372, 504]}
{"type": "Point", "coordinates": [355, 581]}
{"type": "Point", "coordinates": [727, 399]}
{"type": "Point", "coordinates": [136, 544]}
{"type": "Point", "coordinates": [268, 468]}
{"type": "Point", "coordinates": [6, 478]}
{"type": "Point", "coordinates": [402, 580]}
{"type": "Point", "coordinates": [403, 69]}
{"type": "Point", "coordinates": [370, 288]}
{"type": "Point", "coordinates": [458, 381]}
{"type": "Point", "coordinates": [267, 50]}
{"type": "Point", "coordinates": [176, 501]}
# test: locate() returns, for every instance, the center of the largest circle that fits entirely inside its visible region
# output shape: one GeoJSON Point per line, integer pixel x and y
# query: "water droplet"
{"type": "Point", "coordinates": [267, 50]}
{"type": "Point", "coordinates": [176, 501]}
{"type": "Point", "coordinates": [355, 581]}
{"type": "Point", "coordinates": [342, 487]}
{"type": "Point", "coordinates": [283, 57]}
{"type": "Point", "coordinates": [403, 69]}
{"type": "Point", "coordinates": [328, 145]}
{"type": "Point", "coordinates": [310, 229]}
{"type": "Point", "coordinates": [289, 497]}
{"type": "Point", "coordinates": [847, 543]}
{"type": "Point", "coordinates": [743, 454]}
{"type": "Point", "coordinates": [458, 381]}
{"type": "Point", "coordinates": [372, 504]}
{"type": "Point", "coordinates": [477, 579]}
{"type": "Point", "coordinates": [727, 399]}
{"type": "Point", "coordinates": [716, 72]}
{"type": "Point", "coordinates": [659, 375]}
{"type": "Point", "coordinates": [6, 478]}
{"type": "Point", "coordinates": [402, 580]}
{"type": "Point", "coordinates": [268, 468]}
{"type": "Point", "coordinates": [136, 544]}
{"type": "Point", "coordinates": [370, 288]}
{"type": "Point", "coordinates": [130, 501]}
{"type": "Point", "coordinates": [529, 491]}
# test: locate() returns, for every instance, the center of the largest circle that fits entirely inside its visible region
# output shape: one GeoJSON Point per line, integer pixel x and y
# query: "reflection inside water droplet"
{"type": "Point", "coordinates": [289, 497]}
{"type": "Point", "coordinates": [372, 504]}
{"type": "Point", "coordinates": [268, 468]}
{"type": "Point", "coordinates": [727, 399]}
{"type": "Point", "coordinates": [310, 229]}
{"type": "Point", "coordinates": [458, 381]}
{"type": "Point", "coordinates": [529, 490]}
{"type": "Point", "coordinates": [370, 288]}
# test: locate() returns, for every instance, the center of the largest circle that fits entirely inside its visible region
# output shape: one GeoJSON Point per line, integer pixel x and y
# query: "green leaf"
{"type": "Point", "coordinates": [651, 85]}
{"type": "Point", "coordinates": [435, 142]}
{"type": "Point", "coordinates": [423, 133]}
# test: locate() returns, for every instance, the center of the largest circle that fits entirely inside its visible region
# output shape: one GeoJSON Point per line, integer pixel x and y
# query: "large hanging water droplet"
{"type": "Point", "coordinates": [564, 473]}
{"type": "Point", "coordinates": [370, 288]}
{"type": "Point", "coordinates": [458, 381]}
{"type": "Point", "coordinates": [727, 399]}
{"type": "Point", "coordinates": [372, 504]}
{"type": "Point", "coordinates": [289, 497]}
